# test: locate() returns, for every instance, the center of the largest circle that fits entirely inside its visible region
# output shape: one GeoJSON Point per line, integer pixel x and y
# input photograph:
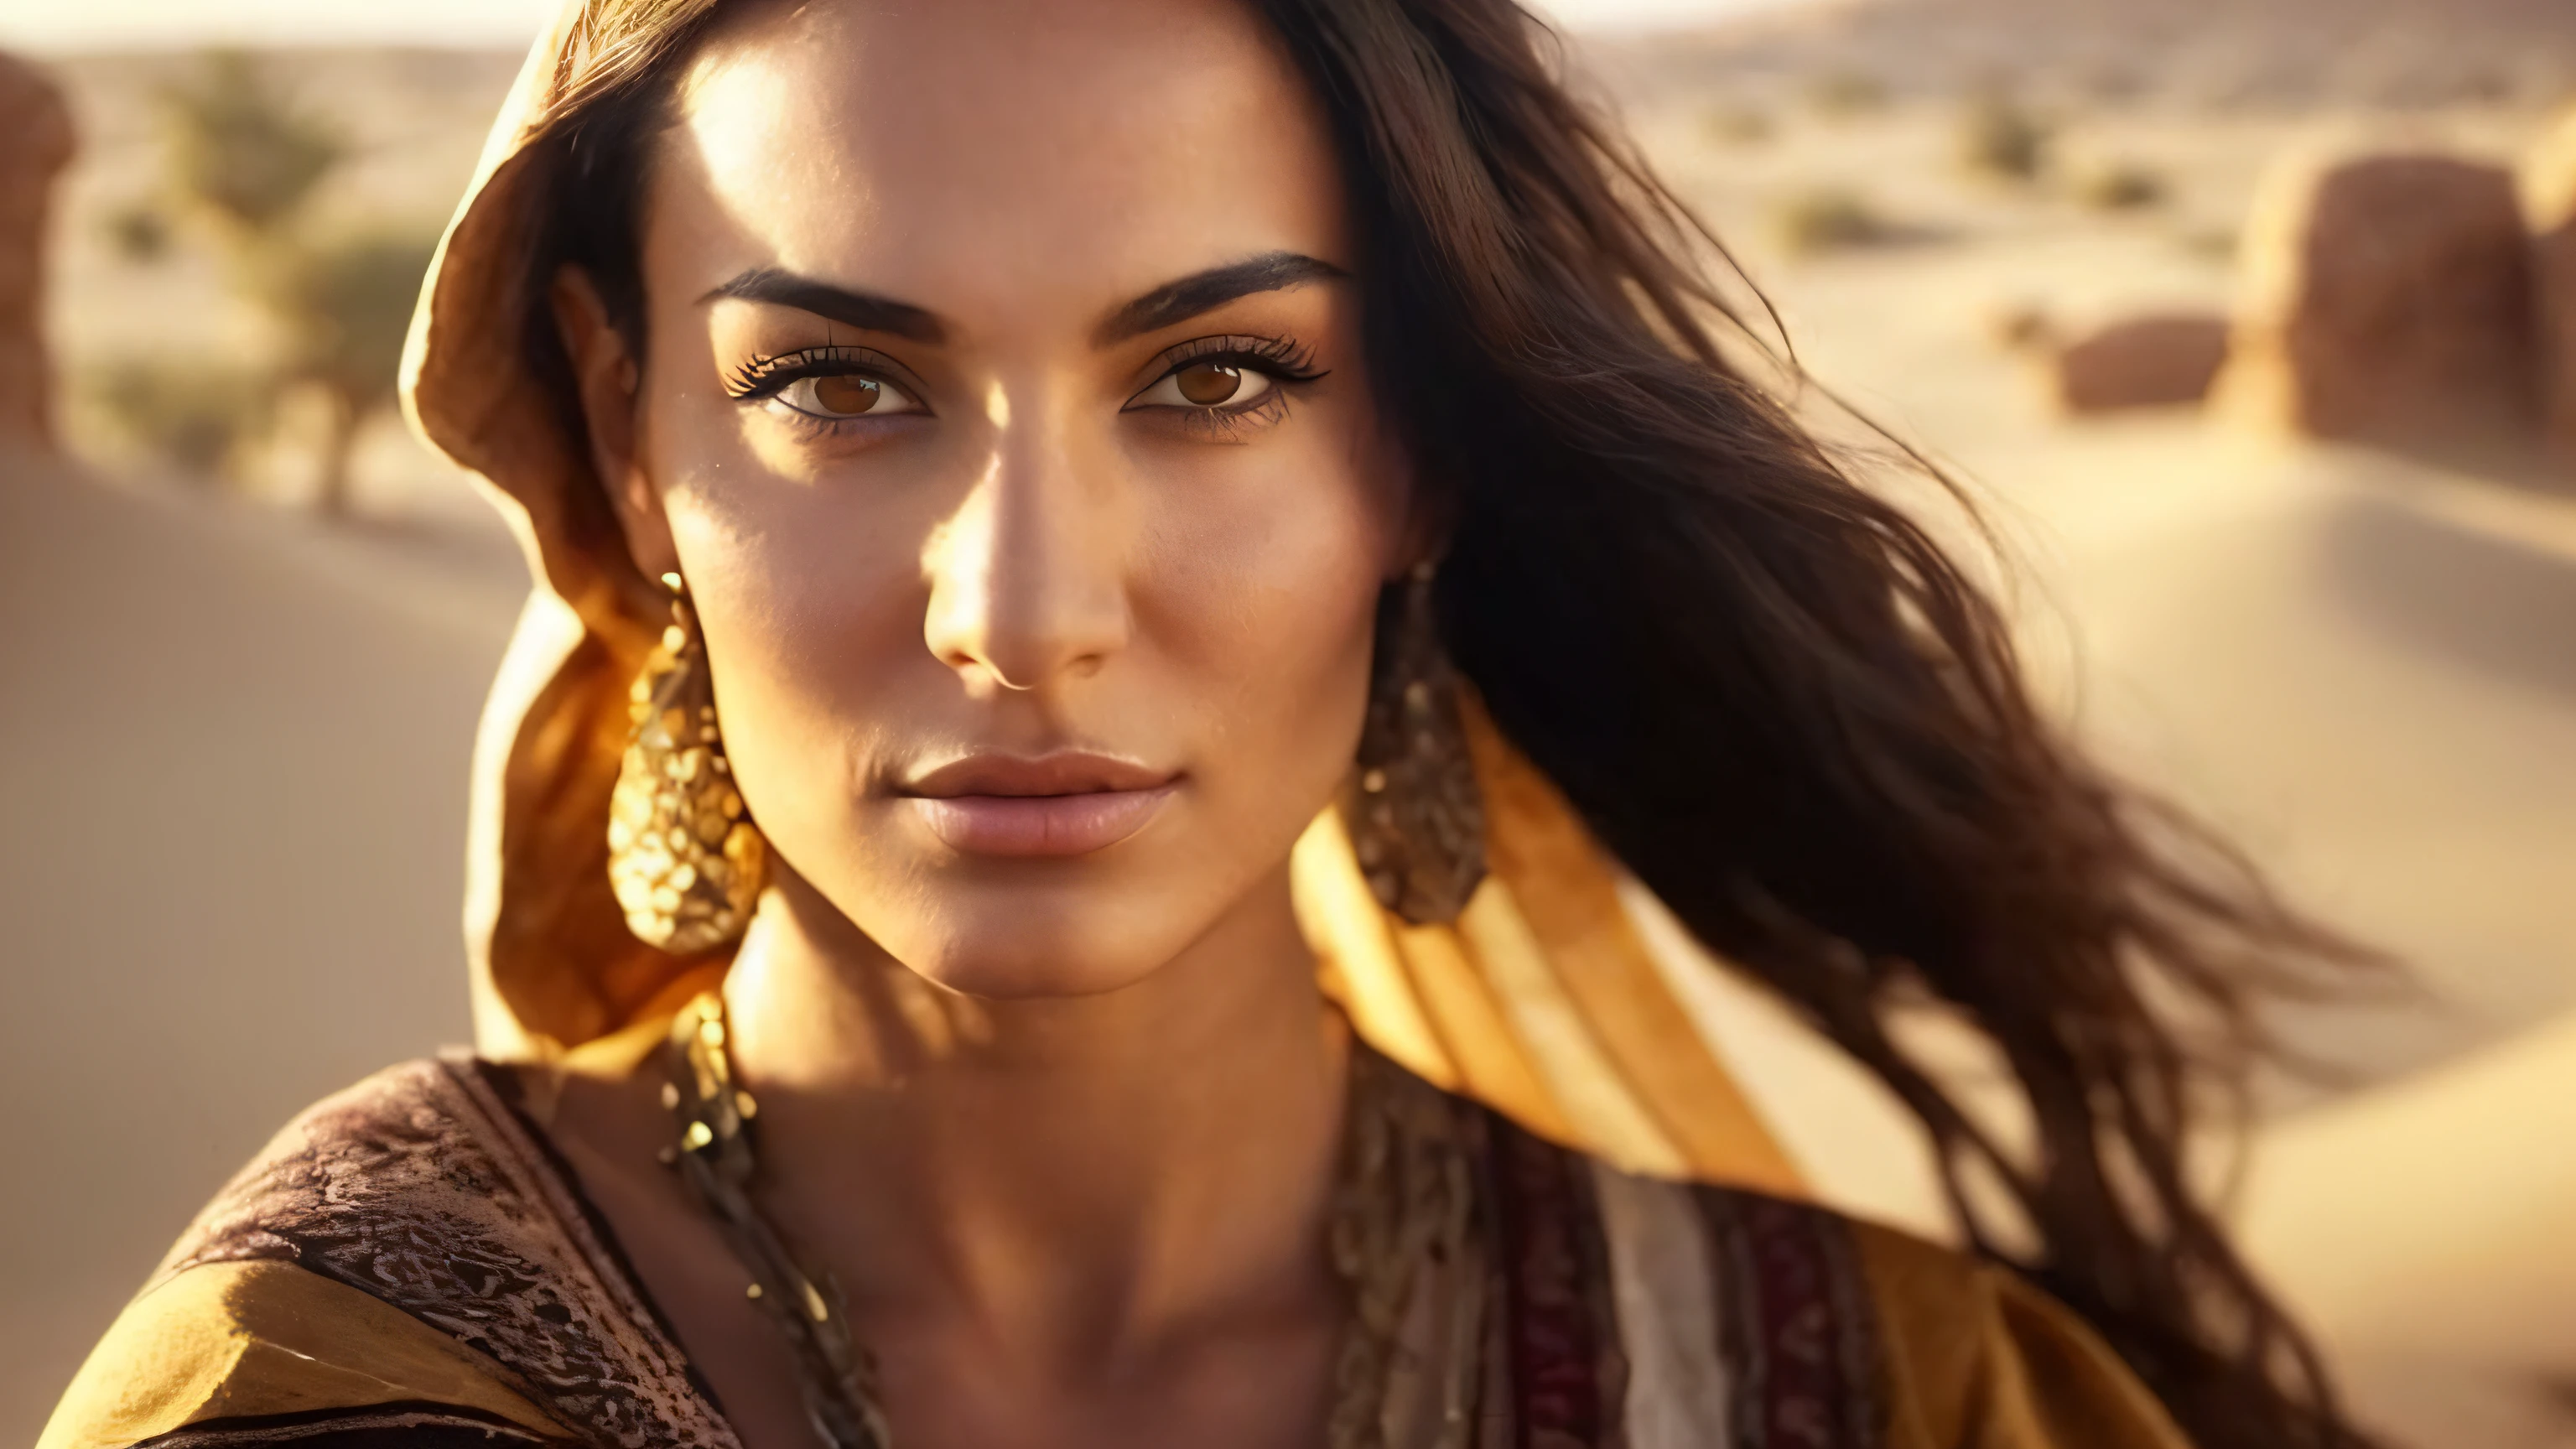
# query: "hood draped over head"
{"type": "Point", "coordinates": [1541, 999]}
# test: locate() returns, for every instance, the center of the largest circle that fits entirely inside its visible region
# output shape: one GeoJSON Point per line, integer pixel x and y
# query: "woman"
{"type": "Point", "coordinates": [996, 472]}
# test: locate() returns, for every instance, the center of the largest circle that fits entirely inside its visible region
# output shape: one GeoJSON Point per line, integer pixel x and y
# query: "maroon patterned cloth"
{"type": "Point", "coordinates": [1796, 1323]}
{"type": "Point", "coordinates": [1565, 1368]}
{"type": "Point", "coordinates": [426, 1189]}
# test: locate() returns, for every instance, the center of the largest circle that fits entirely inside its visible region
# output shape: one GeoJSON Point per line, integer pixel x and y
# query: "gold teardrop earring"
{"type": "Point", "coordinates": [1416, 817]}
{"type": "Point", "coordinates": [683, 856]}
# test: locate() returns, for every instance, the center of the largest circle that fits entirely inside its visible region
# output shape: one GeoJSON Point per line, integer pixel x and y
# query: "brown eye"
{"type": "Point", "coordinates": [1209, 383]}
{"type": "Point", "coordinates": [847, 394]}
{"type": "Point", "coordinates": [841, 395]}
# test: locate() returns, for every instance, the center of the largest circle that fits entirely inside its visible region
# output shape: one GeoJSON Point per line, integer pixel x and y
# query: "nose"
{"type": "Point", "coordinates": [1028, 578]}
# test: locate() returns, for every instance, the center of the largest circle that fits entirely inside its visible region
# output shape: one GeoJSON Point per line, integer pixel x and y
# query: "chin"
{"type": "Point", "coordinates": [1031, 945]}
{"type": "Point", "coordinates": [988, 976]}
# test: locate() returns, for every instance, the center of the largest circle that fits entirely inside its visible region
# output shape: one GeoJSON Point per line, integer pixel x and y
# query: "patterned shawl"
{"type": "Point", "coordinates": [410, 1259]}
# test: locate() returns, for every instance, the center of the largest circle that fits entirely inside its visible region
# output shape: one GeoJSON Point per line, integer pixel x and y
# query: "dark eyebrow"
{"type": "Point", "coordinates": [1203, 291]}
{"type": "Point", "coordinates": [862, 310]}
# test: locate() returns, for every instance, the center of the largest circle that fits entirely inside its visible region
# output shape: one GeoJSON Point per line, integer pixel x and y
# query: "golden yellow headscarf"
{"type": "Point", "coordinates": [1541, 999]}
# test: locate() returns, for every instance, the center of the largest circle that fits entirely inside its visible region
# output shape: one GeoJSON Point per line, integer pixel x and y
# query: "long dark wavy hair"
{"type": "Point", "coordinates": [1768, 690]}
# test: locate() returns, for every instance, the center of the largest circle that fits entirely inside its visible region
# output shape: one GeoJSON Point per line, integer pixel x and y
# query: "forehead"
{"type": "Point", "coordinates": [1020, 153]}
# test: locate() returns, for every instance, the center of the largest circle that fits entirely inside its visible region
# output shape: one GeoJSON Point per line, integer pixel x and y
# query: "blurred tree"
{"type": "Point", "coordinates": [246, 166]}
{"type": "Point", "coordinates": [345, 305]}
{"type": "Point", "coordinates": [239, 150]}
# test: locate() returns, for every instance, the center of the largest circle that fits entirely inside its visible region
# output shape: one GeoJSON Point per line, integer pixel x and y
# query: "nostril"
{"type": "Point", "coordinates": [1026, 587]}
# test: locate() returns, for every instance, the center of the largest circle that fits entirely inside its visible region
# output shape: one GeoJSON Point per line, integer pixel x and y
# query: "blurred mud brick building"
{"type": "Point", "coordinates": [2143, 362]}
{"type": "Point", "coordinates": [2390, 300]}
{"type": "Point", "coordinates": [2550, 190]}
{"type": "Point", "coordinates": [35, 145]}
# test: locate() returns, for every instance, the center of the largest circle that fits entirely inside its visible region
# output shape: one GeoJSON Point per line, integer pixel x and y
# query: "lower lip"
{"type": "Point", "coordinates": [1031, 826]}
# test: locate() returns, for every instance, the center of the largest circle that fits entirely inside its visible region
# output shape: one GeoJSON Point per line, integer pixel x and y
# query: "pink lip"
{"type": "Point", "coordinates": [1055, 805]}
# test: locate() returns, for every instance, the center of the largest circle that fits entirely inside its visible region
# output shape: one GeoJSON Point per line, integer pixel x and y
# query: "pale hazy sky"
{"type": "Point", "coordinates": [58, 25]}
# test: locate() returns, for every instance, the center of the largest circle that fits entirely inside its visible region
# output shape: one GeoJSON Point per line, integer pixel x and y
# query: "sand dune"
{"type": "Point", "coordinates": [235, 748]}
{"type": "Point", "coordinates": [2423, 1231]}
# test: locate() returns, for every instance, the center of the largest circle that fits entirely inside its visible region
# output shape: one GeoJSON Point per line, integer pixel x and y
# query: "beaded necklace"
{"type": "Point", "coordinates": [1404, 1225]}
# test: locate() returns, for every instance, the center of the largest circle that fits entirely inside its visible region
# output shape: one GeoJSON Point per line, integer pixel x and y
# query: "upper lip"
{"type": "Point", "coordinates": [1063, 772]}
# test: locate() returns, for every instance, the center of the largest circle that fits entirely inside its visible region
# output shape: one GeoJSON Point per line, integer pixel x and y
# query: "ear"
{"type": "Point", "coordinates": [1425, 515]}
{"type": "Point", "coordinates": [609, 379]}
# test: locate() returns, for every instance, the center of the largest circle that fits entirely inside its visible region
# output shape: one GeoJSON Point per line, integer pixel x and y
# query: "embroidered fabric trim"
{"type": "Point", "coordinates": [416, 1186]}
{"type": "Point", "coordinates": [423, 1188]}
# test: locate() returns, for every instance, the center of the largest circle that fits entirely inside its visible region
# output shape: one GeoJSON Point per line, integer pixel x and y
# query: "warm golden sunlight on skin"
{"type": "Point", "coordinates": [1019, 549]}
{"type": "Point", "coordinates": [1004, 410]}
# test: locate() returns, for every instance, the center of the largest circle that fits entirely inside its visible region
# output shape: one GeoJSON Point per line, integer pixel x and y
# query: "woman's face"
{"type": "Point", "coordinates": [1004, 410]}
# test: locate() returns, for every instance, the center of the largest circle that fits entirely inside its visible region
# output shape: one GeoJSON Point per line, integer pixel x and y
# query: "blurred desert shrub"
{"type": "Point", "coordinates": [1738, 125]}
{"type": "Point", "coordinates": [344, 306]}
{"type": "Point", "coordinates": [1828, 219]}
{"type": "Point", "coordinates": [138, 232]}
{"type": "Point", "coordinates": [2212, 243]}
{"type": "Point", "coordinates": [1843, 94]}
{"type": "Point", "coordinates": [243, 168]}
{"type": "Point", "coordinates": [192, 416]}
{"type": "Point", "coordinates": [2000, 137]}
{"type": "Point", "coordinates": [2020, 326]}
{"type": "Point", "coordinates": [2121, 186]}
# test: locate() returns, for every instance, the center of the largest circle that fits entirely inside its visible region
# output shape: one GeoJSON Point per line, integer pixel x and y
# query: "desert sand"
{"type": "Point", "coordinates": [237, 738]}
{"type": "Point", "coordinates": [240, 747]}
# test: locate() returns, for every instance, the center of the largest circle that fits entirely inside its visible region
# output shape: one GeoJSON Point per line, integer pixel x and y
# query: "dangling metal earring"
{"type": "Point", "coordinates": [683, 856]}
{"type": "Point", "coordinates": [1416, 818]}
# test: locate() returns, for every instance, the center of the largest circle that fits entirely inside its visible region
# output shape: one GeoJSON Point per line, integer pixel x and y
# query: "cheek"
{"type": "Point", "coordinates": [811, 597]}
{"type": "Point", "coordinates": [815, 626]}
{"type": "Point", "coordinates": [1266, 607]}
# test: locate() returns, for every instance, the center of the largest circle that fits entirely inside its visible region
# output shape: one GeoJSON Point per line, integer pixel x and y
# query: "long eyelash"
{"type": "Point", "coordinates": [1221, 423]}
{"type": "Point", "coordinates": [1284, 360]}
{"type": "Point", "coordinates": [765, 376]}
{"type": "Point", "coordinates": [1289, 364]}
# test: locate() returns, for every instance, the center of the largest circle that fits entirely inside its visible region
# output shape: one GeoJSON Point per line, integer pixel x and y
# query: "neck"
{"type": "Point", "coordinates": [1078, 1180]}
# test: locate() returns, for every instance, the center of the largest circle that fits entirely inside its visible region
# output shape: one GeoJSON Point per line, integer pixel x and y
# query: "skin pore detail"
{"type": "Point", "coordinates": [1006, 413]}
